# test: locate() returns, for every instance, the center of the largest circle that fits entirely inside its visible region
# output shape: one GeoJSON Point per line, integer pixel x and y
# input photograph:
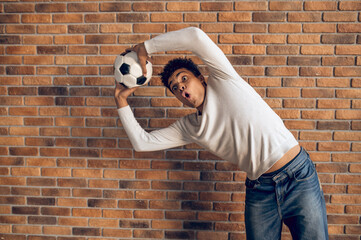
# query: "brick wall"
{"type": "Point", "coordinates": [68, 171]}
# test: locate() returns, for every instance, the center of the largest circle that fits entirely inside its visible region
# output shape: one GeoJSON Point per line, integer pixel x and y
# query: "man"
{"type": "Point", "coordinates": [233, 122]}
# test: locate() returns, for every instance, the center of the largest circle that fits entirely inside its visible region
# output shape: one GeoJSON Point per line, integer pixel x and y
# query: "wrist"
{"type": "Point", "coordinates": [120, 102]}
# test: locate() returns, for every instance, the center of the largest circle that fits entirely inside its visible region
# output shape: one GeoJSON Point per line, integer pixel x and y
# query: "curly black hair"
{"type": "Point", "coordinates": [176, 64]}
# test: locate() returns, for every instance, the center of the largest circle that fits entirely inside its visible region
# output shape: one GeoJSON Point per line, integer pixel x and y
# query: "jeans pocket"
{"type": "Point", "coordinates": [305, 172]}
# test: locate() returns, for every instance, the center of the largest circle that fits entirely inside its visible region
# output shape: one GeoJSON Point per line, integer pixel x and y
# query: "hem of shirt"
{"type": "Point", "coordinates": [275, 156]}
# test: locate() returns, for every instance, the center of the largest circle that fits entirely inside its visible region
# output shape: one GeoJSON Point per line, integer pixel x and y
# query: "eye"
{"type": "Point", "coordinates": [174, 88]}
{"type": "Point", "coordinates": [184, 78]}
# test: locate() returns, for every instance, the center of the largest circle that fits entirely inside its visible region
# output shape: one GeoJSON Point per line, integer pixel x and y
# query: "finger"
{"type": "Point", "coordinates": [132, 48]}
{"type": "Point", "coordinates": [129, 49]}
{"type": "Point", "coordinates": [126, 51]}
{"type": "Point", "coordinates": [144, 68]}
{"type": "Point", "coordinates": [117, 84]}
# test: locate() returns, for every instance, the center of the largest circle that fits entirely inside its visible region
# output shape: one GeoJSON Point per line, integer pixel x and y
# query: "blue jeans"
{"type": "Point", "coordinates": [291, 195]}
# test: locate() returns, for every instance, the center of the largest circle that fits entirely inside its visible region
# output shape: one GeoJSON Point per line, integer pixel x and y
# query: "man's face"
{"type": "Point", "coordinates": [187, 88]}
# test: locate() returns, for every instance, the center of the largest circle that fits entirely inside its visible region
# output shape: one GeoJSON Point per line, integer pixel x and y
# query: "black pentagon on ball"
{"type": "Point", "coordinates": [124, 69]}
{"type": "Point", "coordinates": [141, 80]}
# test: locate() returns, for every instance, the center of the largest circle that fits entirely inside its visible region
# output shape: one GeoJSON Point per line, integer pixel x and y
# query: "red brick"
{"type": "Point", "coordinates": [19, 8]}
{"type": "Point", "coordinates": [348, 50]}
{"type": "Point", "coordinates": [51, 50]}
{"type": "Point", "coordinates": [317, 50]}
{"type": "Point", "coordinates": [28, 111]}
{"type": "Point", "coordinates": [54, 132]}
{"type": "Point", "coordinates": [339, 16]}
{"type": "Point", "coordinates": [57, 230]}
{"type": "Point", "coordinates": [48, 162]}
{"type": "Point", "coordinates": [350, 6]}
{"type": "Point", "coordinates": [317, 93]}
{"type": "Point", "coordinates": [24, 29]}
{"type": "Point", "coordinates": [25, 131]}
{"type": "Point", "coordinates": [282, 50]}
{"type": "Point", "coordinates": [25, 171]}
{"type": "Point", "coordinates": [249, 49]}
{"type": "Point", "coordinates": [251, 6]}
{"type": "Point", "coordinates": [82, 7]}
{"type": "Point", "coordinates": [269, 39]}
{"type": "Point", "coordinates": [109, 28]}
{"type": "Point", "coordinates": [10, 101]}
{"type": "Point", "coordinates": [349, 28]}
{"type": "Point", "coordinates": [304, 17]}
{"type": "Point", "coordinates": [23, 151]}
{"type": "Point", "coordinates": [334, 104]}
{"type": "Point", "coordinates": [285, 28]}
{"type": "Point", "coordinates": [67, 18]}
{"type": "Point", "coordinates": [183, 6]}
{"type": "Point", "coordinates": [9, 18]}
{"type": "Point", "coordinates": [281, 71]}
{"type": "Point", "coordinates": [286, 6]}
{"type": "Point", "coordinates": [234, 17]}
{"type": "Point", "coordinates": [10, 60]}
{"type": "Point", "coordinates": [147, 6]}
{"type": "Point", "coordinates": [54, 29]}
{"type": "Point", "coordinates": [338, 61]}
{"type": "Point", "coordinates": [69, 162]}
{"type": "Point", "coordinates": [20, 70]}
{"type": "Point", "coordinates": [166, 17]}
{"type": "Point", "coordinates": [316, 71]}
{"type": "Point", "coordinates": [200, 17]}
{"type": "Point", "coordinates": [319, 28]}
{"type": "Point", "coordinates": [250, 28]}
{"type": "Point", "coordinates": [89, 28]}
{"type": "Point", "coordinates": [13, 219]}
{"type": "Point", "coordinates": [217, 28]}
{"type": "Point", "coordinates": [347, 71]}
{"type": "Point", "coordinates": [269, 17]}
{"type": "Point", "coordinates": [315, 114]}
{"type": "Point", "coordinates": [39, 101]}
{"type": "Point", "coordinates": [50, 7]}
{"type": "Point", "coordinates": [81, 212]}
{"type": "Point", "coordinates": [216, 6]}
{"type": "Point", "coordinates": [320, 6]}
{"type": "Point", "coordinates": [115, 7]}
{"type": "Point", "coordinates": [304, 38]}
{"type": "Point", "coordinates": [348, 114]}
{"type": "Point", "coordinates": [72, 221]}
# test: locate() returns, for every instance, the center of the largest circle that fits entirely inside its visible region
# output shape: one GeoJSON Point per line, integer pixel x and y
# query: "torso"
{"type": "Point", "coordinates": [291, 154]}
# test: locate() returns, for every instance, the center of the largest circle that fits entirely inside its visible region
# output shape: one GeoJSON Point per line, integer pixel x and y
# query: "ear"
{"type": "Point", "coordinates": [202, 79]}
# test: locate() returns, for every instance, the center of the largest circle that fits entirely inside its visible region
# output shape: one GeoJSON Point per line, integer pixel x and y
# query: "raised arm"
{"type": "Point", "coordinates": [194, 40]}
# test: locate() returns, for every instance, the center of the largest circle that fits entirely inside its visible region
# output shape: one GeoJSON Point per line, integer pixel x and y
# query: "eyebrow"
{"type": "Point", "coordinates": [175, 77]}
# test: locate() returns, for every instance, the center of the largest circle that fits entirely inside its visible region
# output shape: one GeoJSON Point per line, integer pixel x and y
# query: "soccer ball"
{"type": "Point", "coordinates": [127, 70]}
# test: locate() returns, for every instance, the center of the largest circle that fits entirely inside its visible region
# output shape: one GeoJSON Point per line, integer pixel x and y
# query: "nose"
{"type": "Point", "coordinates": [181, 87]}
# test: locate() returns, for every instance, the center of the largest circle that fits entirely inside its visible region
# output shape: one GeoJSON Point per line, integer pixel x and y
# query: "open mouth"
{"type": "Point", "coordinates": [187, 95]}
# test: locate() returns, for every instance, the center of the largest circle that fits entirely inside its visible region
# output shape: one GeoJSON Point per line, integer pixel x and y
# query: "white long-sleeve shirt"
{"type": "Point", "coordinates": [236, 124]}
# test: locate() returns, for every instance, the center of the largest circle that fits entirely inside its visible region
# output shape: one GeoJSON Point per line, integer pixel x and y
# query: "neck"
{"type": "Point", "coordinates": [200, 107]}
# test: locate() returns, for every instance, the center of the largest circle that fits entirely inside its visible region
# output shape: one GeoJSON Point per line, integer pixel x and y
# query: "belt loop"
{"type": "Point", "coordinates": [251, 183]}
{"type": "Point", "coordinates": [290, 173]}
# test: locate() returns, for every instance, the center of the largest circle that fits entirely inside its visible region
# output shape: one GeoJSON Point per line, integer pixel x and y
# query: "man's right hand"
{"type": "Point", "coordinates": [121, 93]}
{"type": "Point", "coordinates": [142, 56]}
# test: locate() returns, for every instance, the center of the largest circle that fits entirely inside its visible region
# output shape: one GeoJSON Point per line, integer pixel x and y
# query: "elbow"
{"type": "Point", "coordinates": [196, 37]}
{"type": "Point", "coordinates": [139, 148]}
{"type": "Point", "coordinates": [196, 33]}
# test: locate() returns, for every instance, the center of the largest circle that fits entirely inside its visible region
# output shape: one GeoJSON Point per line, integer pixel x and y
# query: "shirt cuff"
{"type": "Point", "coordinates": [149, 46]}
{"type": "Point", "coordinates": [124, 110]}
